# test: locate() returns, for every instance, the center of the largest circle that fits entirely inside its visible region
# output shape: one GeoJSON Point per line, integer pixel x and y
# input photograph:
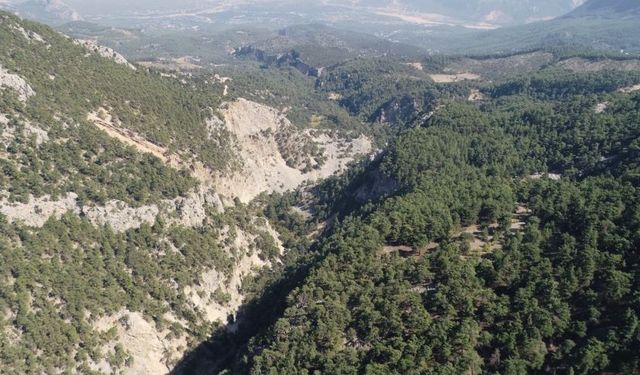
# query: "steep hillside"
{"type": "Point", "coordinates": [118, 252]}
{"type": "Point", "coordinates": [75, 80]}
{"type": "Point", "coordinates": [72, 200]}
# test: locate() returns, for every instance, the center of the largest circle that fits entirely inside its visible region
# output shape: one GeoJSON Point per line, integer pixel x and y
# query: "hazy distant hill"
{"type": "Point", "coordinates": [50, 11]}
{"type": "Point", "coordinates": [500, 11]}
{"type": "Point", "coordinates": [322, 46]}
{"type": "Point", "coordinates": [609, 25]}
{"type": "Point", "coordinates": [492, 11]}
{"type": "Point", "coordinates": [616, 8]}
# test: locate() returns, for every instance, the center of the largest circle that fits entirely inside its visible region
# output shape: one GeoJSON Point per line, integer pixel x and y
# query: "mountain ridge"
{"type": "Point", "coordinates": [597, 25]}
{"type": "Point", "coordinates": [488, 12]}
{"type": "Point", "coordinates": [608, 8]}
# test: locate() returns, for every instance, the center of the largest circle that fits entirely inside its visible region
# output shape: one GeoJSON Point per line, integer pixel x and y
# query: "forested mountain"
{"type": "Point", "coordinates": [80, 247]}
{"type": "Point", "coordinates": [392, 213]}
{"type": "Point", "coordinates": [498, 236]}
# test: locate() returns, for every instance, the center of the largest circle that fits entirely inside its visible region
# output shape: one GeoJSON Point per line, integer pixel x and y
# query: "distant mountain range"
{"type": "Point", "coordinates": [498, 12]}
{"type": "Point", "coordinates": [445, 26]}
{"type": "Point", "coordinates": [607, 25]}
{"type": "Point", "coordinates": [481, 12]}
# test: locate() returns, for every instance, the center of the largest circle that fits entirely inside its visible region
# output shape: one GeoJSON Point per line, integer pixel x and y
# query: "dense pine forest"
{"type": "Point", "coordinates": [546, 280]}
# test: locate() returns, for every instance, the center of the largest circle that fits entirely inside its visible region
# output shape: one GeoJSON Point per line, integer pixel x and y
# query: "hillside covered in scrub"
{"type": "Point", "coordinates": [122, 245]}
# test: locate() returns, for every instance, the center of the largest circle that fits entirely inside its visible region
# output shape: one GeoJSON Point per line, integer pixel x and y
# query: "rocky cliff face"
{"type": "Point", "coordinates": [265, 167]}
{"type": "Point", "coordinates": [397, 111]}
{"type": "Point", "coordinates": [106, 52]}
{"type": "Point", "coordinates": [16, 83]}
{"type": "Point", "coordinates": [291, 58]}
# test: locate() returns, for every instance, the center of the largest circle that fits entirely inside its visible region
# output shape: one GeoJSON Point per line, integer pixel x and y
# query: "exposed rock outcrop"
{"type": "Point", "coordinates": [455, 77]}
{"type": "Point", "coordinates": [265, 169]}
{"type": "Point", "coordinates": [477, 96]}
{"type": "Point", "coordinates": [630, 89]}
{"type": "Point", "coordinates": [267, 159]}
{"type": "Point", "coordinates": [397, 111]}
{"type": "Point", "coordinates": [601, 107]}
{"type": "Point", "coordinates": [153, 350]}
{"type": "Point", "coordinates": [94, 47]}
{"type": "Point", "coordinates": [119, 216]}
{"type": "Point", "coordinates": [9, 131]}
{"type": "Point", "coordinates": [38, 210]}
{"type": "Point", "coordinates": [291, 58]}
{"type": "Point", "coordinates": [190, 211]}
{"type": "Point", "coordinates": [203, 298]}
{"type": "Point", "coordinates": [150, 349]}
{"type": "Point", "coordinates": [17, 83]}
{"type": "Point", "coordinates": [30, 35]}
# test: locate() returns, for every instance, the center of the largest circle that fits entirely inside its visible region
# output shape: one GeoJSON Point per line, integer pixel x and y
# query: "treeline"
{"type": "Point", "coordinates": [558, 83]}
